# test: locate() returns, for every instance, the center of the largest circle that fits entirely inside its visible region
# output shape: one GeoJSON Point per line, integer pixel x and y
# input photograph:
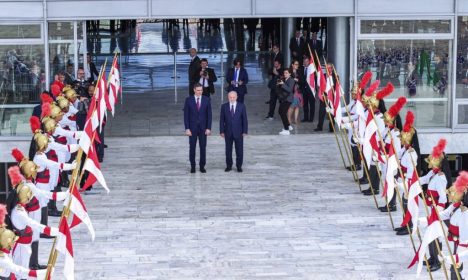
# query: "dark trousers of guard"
{"type": "Point", "coordinates": [283, 112]}
{"type": "Point", "coordinates": [273, 100]}
{"type": "Point", "coordinates": [374, 178]}
{"type": "Point", "coordinates": [309, 106]}
{"type": "Point", "coordinates": [453, 273]}
{"type": "Point", "coordinates": [434, 253]}
{"type": "Point", "coordinates": [356, 156]}
{"type": "Point", "coordinates": [321, 119]}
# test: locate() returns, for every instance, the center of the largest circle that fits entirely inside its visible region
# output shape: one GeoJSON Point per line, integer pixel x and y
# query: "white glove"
{"type": "Point", "coordinates": [422, 221]}
{"type": "Point", "coordinates": [42, 273]}
{"type": "Point", "coordinates": [77, 135]}
{"type": "Point", "coordinates": [357, 140]}
{"type": "Point", "coordinates": [328, 110]}
{"type": "Point", "coordinates": [68, 166]}
{"type": "Point", "coordinates": [73, 147]}
{"type": "Point", "coordinates": [345, 120]}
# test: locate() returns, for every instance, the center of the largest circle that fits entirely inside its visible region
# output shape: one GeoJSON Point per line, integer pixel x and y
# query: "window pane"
{"type": "Point", "coordinates": [20, 31]}
{"type": "Point", "coordinates": [61, 30]}
{"type": "Point", "coordinates": [62, 58]}
{"type": "Point", "coordinates": [462, 58]}
{"type": "Point", "coordinates": [15, 121]}
{"type": "Point", "coordinates": [419, 70]}
{"type": "Point", "coordinates": [463, 114]}
{"type": "Point", "coordinates": [22, 73]}
{"type": "Point", "coordinates": [404, 26]}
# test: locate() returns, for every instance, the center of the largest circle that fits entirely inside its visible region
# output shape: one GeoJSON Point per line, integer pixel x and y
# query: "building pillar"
{"type": "Point", "coordinates": [287, 32]}
{"type": "Point", "coordinates": [338, 48]}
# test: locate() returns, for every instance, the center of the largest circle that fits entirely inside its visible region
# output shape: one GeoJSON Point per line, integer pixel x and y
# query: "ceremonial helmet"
{"type": "Point", "coordinates": [394, 110]}
{"type": "Point", "coordinates": [46, 98]}
{"type": "Point", "coordinates": [7, 237]}
{"type": "Point", "coordinates": [63, 103]}
{"type": "Point", "coordinates": [28, 167]}
{"type": "Point", "coordinates": [42, 141]}
{"type": "Point", "coordinates": [359, 87]}
{"type": "Point", "coordinates": [372, 99]}
{"type": "Point", "coordinates": [23, 191]}
{"type": "Point", "coordinates": [408, 130]}
{"type": "Point", "coordinates": [70, 93]}
{"type": "Point", "coordinates": [55, 111]}
{"type": "Point", "coordinates": [434, 160]}
{"type": "Point", "coordinates": [459, 188]}
{"type": "Point", "coordinates": [49, 125]}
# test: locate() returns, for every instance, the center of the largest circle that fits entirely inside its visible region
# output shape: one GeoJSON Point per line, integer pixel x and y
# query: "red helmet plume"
{"type": "Point", "coordinates": [372, 88]}
{"type": "Point", "coordinates": [439, 148]}
{"type": "Point", "coordinates": [3, 213]}
{"type": "Point", "coordinates": [409, 121]}
{"type": "Point", "coordinates": [365, 79]}
{"type": "Point", "coordinates": [45, 98]}
{"type": "Point", "coordinates": [17, 154]}
{"type": "Point", "coordinates": [461, 183]}
{"type": "Point", "coordinates": [35, 124]}
{"type": "Point", "coordinates": [15, 175]}
{"type": "Point", "coordinates": [396, 108]}
{"type": "Point", "coordinates": [386, 91]}
{"type": "Point", "coordinates": [45, 110]}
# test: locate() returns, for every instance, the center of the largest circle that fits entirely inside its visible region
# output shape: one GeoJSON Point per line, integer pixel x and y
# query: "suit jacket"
{"type": "Point", "coordinates": [193, 69]}
{"type": "Point", "coordinates": [243, 76]}
{"type": "Point", "coordinates": [212, 79]}
{"type": "Point", "coordinates": [303, 85]}
{"type": "Point", "coordinates": [276, 57]}
{"type": "Point", "coordinates": [293, 47]}
{"type": "Point", "coordinates": [197, 120]}
{"type": "Point", "coordinates": [317, 47]}
{"type": "Point", "coordinates": [233, 126]}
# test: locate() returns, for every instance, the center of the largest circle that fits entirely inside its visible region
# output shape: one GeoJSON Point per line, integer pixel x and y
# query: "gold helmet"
{"type": "Point", "coordinates": [28, 167]}
{"type": "Point", "coordinates": [24, 193]}
{"type": "Point", "coordinates": [392, 112]}
{"type": "Point", "coordinates": [459, 188]}
{"type": "Point", "coordinates": [49, 125]}
{"type": "Point", "coordinates": [354, 91]}
{"type": "Point", "coordinates": [408, 130]}
{"type": "Point", "coordinates": [70, 94]}
{"type": "Point", "coordinates": [7, 237]}
{"type": "Point", "coordinates": [434, 160]}
{"type": "Point", "coordinates": [55, 111]}
{"type": "Point", "coordinates": [41, 140]}
{"type": "Point", "coordinates": [63, 103]}
{"type": "Point", "coordinates": [372, 99]}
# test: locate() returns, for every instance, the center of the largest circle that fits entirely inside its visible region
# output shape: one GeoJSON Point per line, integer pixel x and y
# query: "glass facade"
{"type": "Point", "coordinates": [461, 93]}
{"type": "Point", "coordinates": [20, 31]}
{"type": "Point", "coordinates": [404, 26]}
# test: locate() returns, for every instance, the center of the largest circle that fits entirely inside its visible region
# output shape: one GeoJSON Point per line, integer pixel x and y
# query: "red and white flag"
{"type": "Point", "coordinates": [311, 71]}
{"type": "Point", "coordinates": [80, 214]}
{"type": "Point", "coordinates": [92, 123]}
{"type": "Point", "coordinates": [392, 168]}
{"type": "Point", "coordinates": [65, 247]}
{"type": "Point", "coordinates": [321, 83]}
{"type": "Point", "coordinates": [114, 86]}
{"type": "Point", "coordinates": [337, 103]}
{"type": "Point", "coordinates": [434, 230]}
{"type": "Point", "coordinates": [102, 96]}
{"type": "Point", "coordinates": [369, 134]}
{"type": "Point", "coordinates": [94, 168]}
{"type": "Point", "coordinates": [412, 213]}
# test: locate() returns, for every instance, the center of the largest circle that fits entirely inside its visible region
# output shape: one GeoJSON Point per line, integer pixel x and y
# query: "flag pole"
{"type": "Point", "coordinates": [66, 211]}
{"type": "Point", "coordinates": [426, 208]}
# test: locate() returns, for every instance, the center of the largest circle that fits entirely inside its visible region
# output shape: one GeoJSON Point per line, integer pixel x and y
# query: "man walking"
{"type": "Point", "coordinates": [237, 79]}
{"type": "Point", "coordinates": [194, 69]}
{"type": "Point", "coordinates": [233, 127]}
{"type": "Point", "coordinates": [197, 120]}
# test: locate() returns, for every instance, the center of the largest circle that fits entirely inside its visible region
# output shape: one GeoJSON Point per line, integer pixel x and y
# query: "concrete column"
{"type": "Point", "coordinates": [287, 31]}
{"type": "Point", "coordinates": [338, 48]}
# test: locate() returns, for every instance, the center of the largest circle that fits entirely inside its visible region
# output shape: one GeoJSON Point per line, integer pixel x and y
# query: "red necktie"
{"type": "Point", "coordinates": [198, 103]}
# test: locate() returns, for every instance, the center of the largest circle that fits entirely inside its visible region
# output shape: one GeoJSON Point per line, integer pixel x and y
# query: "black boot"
{"type": "Point", "coordinates": [53, 211]}
{"type": "Point", "coordinates": [453, 273]}
{"type": "Point", "coordinates": [34, 260]}
{"type": "Point", "coordinates": [433, 252]}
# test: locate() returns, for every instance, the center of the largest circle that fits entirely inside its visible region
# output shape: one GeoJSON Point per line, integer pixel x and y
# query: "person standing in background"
{"type": "Point", "coordinates": [193, 69]}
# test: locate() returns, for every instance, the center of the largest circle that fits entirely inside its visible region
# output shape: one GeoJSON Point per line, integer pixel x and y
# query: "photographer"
{"type": "Point", "coordinates": [206, 78]}
{"type": "Point", "coordinates": [81, 84]}
{"type": "Point", "coordinates": [285, 96]}
{"type": "Point", "coordinates": [273, 85]}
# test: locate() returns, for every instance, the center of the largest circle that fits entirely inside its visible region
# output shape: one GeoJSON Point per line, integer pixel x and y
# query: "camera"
{"type": "Point", "coordinates": [205, 73]}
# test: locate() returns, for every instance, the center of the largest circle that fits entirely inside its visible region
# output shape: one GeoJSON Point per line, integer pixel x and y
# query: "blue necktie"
{"type": "Point", "coordinates": [232, 110]}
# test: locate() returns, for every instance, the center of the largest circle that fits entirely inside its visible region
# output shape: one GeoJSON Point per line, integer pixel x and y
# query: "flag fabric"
{"type": "Point", "coordinates": [114, 86]}
{"type": "Point", "coordinates": [337, 103]}
{"type": "Point", "coordinates": [321, 83]}
{"type": "Point", "coordinates": [90, 127]}
{"type": "Point", "coordinates": [311, 71]}
{"type": "Point", "coordinates": [369, 133]}
{"type": "Point", "coordinates": [94, 168]}
{"type": "Point", "coordinates": [65, 247]}
{"type": "Point", "coordinates": [392, 168]}
{"type": "Point", "coordinates": [80, 214]}
{"type": "Point", "coordinates": [329, 91]}
{"type": "Point", "coordinates": [433, 231]}
{"type": "Point", "coordinates": [412, 213]}
{"type": "Point", "coordinates": [102, 96]}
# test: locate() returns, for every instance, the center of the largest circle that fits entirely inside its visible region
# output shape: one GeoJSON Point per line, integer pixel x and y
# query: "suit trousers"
{"type": "Point", "coordinates": [201, 137]}
{"type": "Point", "coordinates": [309, 106]}
{"type": "Point", "coordinates": [273, 100]}
{"type": "Point", "coordinates": [239, 146]}
{"type": "Point", "coordinates": [322, 114]}
{"type": "Point", "coordinates": [283, 112]}
{"type": "Point", "coordinates": [240, 97]}
{"type": "Point", "coordinates": [374, 178]}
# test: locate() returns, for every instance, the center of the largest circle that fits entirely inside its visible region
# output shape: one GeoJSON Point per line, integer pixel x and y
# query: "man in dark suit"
{"type": "Point", "coordinates": [206, 77]}
{"type": "Point", "coordinates": [297, 46]}
{"type": "Point", "coordinates": [237, 79]}
{"type": "Point", "coordinates": [233, 128]}
{"type": "Point", "coordinates": [197, 121]}
{"type": "Point", "coordinates": [315, 45]}
{"type": "Point", "coordinates": [193, 70]}
{"type": "Point", "coordinates": [276, 74]}
{"type": "Point", "coordinates": [91, 72]}
{"type": "Point", "coordinates": [276, 55]}
{"type": "Point", "coordinates": [307, 95]}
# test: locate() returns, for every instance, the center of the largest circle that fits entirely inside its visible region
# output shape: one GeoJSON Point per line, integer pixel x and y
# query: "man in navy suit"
{"type": "Point", "coordinates": [197, 120]}
{"type": "Point", "coordinates": [233, 127]}
{"type": "Point", "coordinates": [237, 79]}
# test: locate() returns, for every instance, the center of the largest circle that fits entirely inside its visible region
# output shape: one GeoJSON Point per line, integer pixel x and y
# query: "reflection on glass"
{"type": "Point", "coordinates": [462, 58]}
{"type": "Point", "coordinates": [61, 56]}
{"type": "Point", "coordinates": [404, 26]}
{"type": "Point", "coordinates": [61, 30]}
{"type": "Point", "coordinates": [419, 70]}
{"type": "Point", "coordinates": [20, 31]}
{"type": "Point", "coordinates": [21, 73]}
{"type": "Point", "coordinates": [463, 114]}
{"type": "Point", "coordinates": [15, 121]}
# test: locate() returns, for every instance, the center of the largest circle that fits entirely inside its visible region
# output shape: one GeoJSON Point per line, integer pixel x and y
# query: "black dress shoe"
{"type": "Point", "coordinates": [228, 169]}
{"type": "Point", "coordinates": [318, 129]}
{"type": "Point", "coordinates": [239, 169]}
{"type": "Point", "coordinates": [37, 267]}
{"type": "Point", "coordinates": [435, 266]}
{"type": "Point", "coordinates": [392, 208]}
{"type": "Point", "coordinates": [429, 260]}
{"type": "Point", "coordinates": [54, 213]}
{"type": "Point", "coordinates": [403, 232]}
{"type": "Point", "coordinates": [192, 170]}
{"type": "Point", "coordinates": [46, 236]}
{"type": "Point", "coordinates": [105, 146]}
{"type": "Point", "coordinates": [369, 192]}
{"type": "Point", "coordinates": [357, 167]}
{"type": "Point", "coordinates": [202, 170]}
{"type": "Point", "coordinates": [363, 181]}
{"type": "Point", "coordinates": [399, 228]}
